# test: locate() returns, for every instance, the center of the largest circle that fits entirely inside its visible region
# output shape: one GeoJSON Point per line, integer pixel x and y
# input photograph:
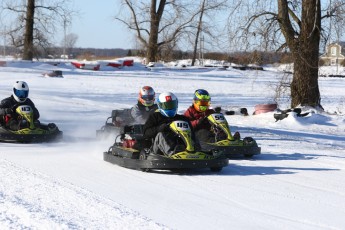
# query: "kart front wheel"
{"type": "Point", "coordinates": [142, 157]}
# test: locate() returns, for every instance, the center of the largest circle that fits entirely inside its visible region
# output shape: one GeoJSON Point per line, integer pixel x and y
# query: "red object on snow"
{"type": "Point", "coordinates": [96, 67]}
{"type": "Point", "coordinates": [114, 64]}
{"type": "Point", "coordinates": [264, 108]}
{"type": "Point", "coordinates": [77, 64]}
{"type": "Point", "coordinates": [86, 66]}
{"type": "Point", "coordinates": [128, 62]}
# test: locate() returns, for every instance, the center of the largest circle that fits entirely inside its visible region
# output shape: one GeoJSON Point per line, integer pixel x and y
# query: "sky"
{"type": "Point", "coordinates": [96, 27]}
{"type": "Point", "coordinates": [297, 182]}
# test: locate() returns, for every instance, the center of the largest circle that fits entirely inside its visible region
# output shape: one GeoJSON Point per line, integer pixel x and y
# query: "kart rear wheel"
{"type": "Point", "coordinates": [249, 141]}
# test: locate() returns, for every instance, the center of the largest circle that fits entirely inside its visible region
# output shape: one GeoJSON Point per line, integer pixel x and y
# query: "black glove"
{"type": "Point", "coordinates": [163, 127]}
{"type": "Point", "coordinates": [202, 120]}
{"type": "Point", "coordinates": [8, 111]}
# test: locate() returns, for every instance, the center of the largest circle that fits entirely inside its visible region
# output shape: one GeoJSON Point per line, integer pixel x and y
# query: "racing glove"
{"type": "Point", "coordinates": [163, 127]}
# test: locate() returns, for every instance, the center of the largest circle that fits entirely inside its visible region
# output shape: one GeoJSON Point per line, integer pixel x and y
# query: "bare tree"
{"type": "Point", "coordinates": [296, 26]}
{"type": "Point", "coordinates": [157, 23]}
{"type": "Point", "coordinates": [29, 31]}
{"type": "Point", "coordinates": [205, 7]}
{"type": "Point", "coordinates": [69, 42]}
{"type": "Point", "coordinates": [35, 21]}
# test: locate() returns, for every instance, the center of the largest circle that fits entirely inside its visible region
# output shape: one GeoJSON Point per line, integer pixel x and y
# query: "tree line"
{"type": "Point", "coordinates": [299, 27]}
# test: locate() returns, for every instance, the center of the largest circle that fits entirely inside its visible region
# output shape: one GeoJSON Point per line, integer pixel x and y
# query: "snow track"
{"type": "Point", "coordinates": [298, 181]}
{"type": "Point", "coordinates": [38, 201]}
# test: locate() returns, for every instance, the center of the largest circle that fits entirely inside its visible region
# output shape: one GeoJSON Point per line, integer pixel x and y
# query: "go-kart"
{"type": "Point", "coordinates": [227, 144]}
{"type": "Point", "coordinates": [115, 123]}
{"type": "Point", "coordinates": [124, 153]}
{"type": "Point", "coordinates": [29, 130]}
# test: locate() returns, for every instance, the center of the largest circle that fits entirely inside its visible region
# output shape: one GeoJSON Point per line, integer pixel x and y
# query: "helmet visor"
{"type": "Point", "coordinates": [148, 97]}
{"type": "Point", "coordinates": [22, 94]}
{"type": "Point", "coordinates": [168, 105]}
{"type": "Point", "coordinates": [203, 102]}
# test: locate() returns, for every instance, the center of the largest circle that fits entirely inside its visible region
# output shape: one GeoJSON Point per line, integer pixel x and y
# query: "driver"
{"type": "Point", "coordinates": [198, 113]}
{"type": "Point", "coordinates": [8, 116]}
{"type": "Point", "coordinates": [157, 126]}
{"type": "Point", "coordinates": [141, 111]}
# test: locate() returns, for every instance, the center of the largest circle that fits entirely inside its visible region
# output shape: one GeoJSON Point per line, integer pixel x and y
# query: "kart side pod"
{"type": "Point", "coordinates": [219, 120]}
{"type": "Point", "coordinates": [184, 131]}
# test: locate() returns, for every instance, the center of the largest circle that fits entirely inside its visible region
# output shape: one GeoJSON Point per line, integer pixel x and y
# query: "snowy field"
{"type": "Point", "coordinates": [298, 182]}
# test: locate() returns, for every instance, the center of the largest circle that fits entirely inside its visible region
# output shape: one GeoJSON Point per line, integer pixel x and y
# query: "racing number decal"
{"type": "Point", "coordinates": [25, 109]}
{"type": "Point", "coordinates": [182, 125]}
{"type": "Point", "coordinates": [219, 117]}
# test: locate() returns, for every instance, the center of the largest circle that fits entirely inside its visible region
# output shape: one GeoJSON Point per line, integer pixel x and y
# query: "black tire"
{"type": "Point", "coordinates": [249, 141]}
{"type": "Point", "coordinates": [145, 170]}
{"type": "Point", "coordinates": [142, 157]}
{"type": "Point", "coordinates": [216, 169]}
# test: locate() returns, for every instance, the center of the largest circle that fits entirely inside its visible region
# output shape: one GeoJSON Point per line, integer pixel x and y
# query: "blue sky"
{"type": "Point", "coordinates": [96, 27]}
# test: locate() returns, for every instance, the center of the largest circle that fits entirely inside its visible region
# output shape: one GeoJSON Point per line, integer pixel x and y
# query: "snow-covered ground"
{"type": "Point", "coordinates": [298, 182]}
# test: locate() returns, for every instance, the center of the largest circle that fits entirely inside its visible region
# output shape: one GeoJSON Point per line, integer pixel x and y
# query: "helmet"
{"type": "Point", "coordinates": [201, 100]}
{"type": "Point", "coordinates": [167, 104]}
{"type": "Point", "coordinates": [147, 96]}
{"type": "Point", "coordinates": [20, 91]}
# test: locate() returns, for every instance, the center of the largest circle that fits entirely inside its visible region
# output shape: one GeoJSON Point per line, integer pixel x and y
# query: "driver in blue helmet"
{"type": "Point", "coordinates": [20, 96]}
{"type": "Point", "coordinates": [157, 125]}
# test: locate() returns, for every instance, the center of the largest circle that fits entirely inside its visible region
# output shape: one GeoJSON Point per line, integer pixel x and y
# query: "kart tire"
{"type": "Point", "coordinates": [249, 141]}
{"type": "Point", "coordinates": [143, 157]}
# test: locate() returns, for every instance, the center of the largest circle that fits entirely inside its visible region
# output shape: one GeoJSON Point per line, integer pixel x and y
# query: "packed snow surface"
{"type": "Point", "coordinates": [297, 182]}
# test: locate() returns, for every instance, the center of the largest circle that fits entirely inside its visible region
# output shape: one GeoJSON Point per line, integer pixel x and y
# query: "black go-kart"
{"type": "Point", "coordinates": [125, 153]}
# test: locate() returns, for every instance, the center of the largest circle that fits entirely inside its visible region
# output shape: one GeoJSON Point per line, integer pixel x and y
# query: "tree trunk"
{"type": "Point", "coordinates": [198, 32]}
{"type": "Point", "coordinates": [156, 15]}
{"type": "Point", "coordinates": [152, 48]}
{"type": "Point", "coordinates": [29, 31]}
{"type": "Point", "coordinates": [305, 51]}
{"type": "Point", "coordinates": [304, 86]}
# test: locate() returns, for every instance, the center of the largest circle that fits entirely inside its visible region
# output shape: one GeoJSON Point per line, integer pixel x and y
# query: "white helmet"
{"type": "Point", "coordinates": [167, 104]}
{"type": "Point", "coordinates": [147, 96]}
{"type": "Point", "coordinates": [20, 91]}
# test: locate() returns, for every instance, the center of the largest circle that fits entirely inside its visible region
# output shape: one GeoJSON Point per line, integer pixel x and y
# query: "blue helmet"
{"type": "Point", "coordinates": [167, 104]}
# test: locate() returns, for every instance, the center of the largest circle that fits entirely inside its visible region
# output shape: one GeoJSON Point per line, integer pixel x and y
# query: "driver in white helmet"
{"type": "Point", "coordinates": [8, 115]}
{"type": "Point", "coordinates": [146, 105]}
{"type": "Point", "coordinates": [157, 125]}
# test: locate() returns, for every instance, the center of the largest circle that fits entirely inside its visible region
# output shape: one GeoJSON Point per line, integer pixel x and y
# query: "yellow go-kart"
{"type": "Point", "coordinates": [123, 152]}
{"type": "Point", "coordinates": [226, 143]}
{"type": "Point", "coordinates": [29, 130]}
